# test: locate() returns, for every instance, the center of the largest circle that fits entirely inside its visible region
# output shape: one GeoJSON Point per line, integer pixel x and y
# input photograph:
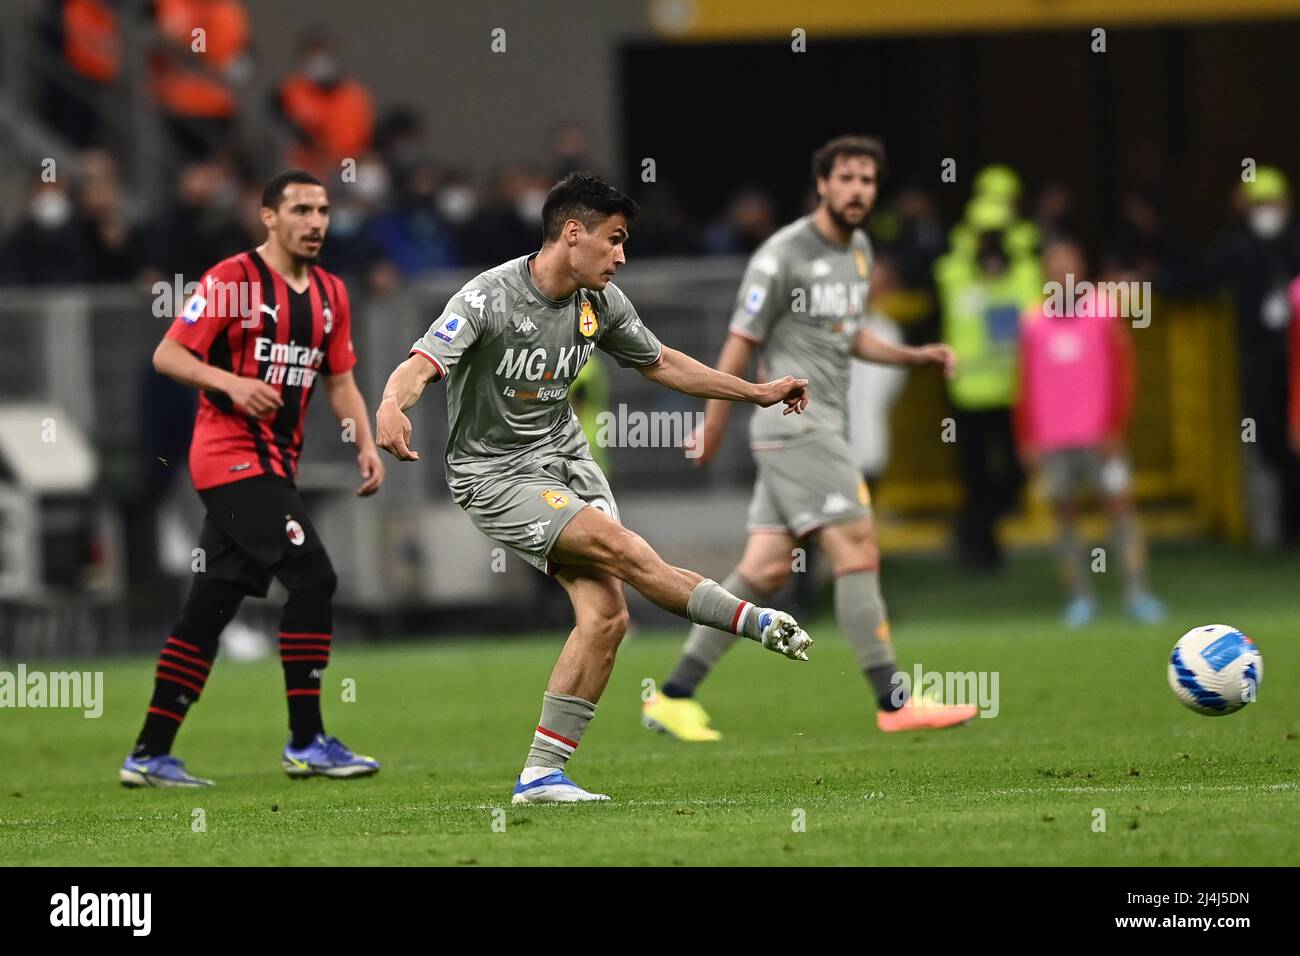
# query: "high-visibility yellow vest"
{"type": "Point", "coordinates": [981, 322]}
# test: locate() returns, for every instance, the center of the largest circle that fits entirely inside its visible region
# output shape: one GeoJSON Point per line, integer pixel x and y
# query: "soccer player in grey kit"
{"type": "Point", "coordinates": [801, 307]}
{"type": "Point", "coordinates": [508, 345]}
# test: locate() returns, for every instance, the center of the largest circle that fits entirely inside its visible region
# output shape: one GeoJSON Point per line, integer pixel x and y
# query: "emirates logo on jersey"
{"type": "Point", "coordinates": [293, 531]}
{"type": "Point", "coordinates": [288, 363]}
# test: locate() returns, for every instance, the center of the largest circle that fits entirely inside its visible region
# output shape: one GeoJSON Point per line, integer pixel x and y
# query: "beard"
{"type": "Point", "coordinates": [839, 217]}
{"type": "Point", "coordinates": [306, 258]}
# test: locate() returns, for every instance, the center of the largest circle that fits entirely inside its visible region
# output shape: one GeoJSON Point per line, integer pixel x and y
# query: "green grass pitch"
{"type": "Point", "coordinates": [1086, 723]}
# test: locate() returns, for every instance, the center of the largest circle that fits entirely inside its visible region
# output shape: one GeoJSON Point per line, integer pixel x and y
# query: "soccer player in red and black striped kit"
{"type": "Point", "coordinates": [254, 338]}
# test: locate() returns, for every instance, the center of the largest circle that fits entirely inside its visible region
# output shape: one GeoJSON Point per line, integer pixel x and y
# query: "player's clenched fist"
{"type": "Point", "coordinates": [255, 397]}
{"type": "Point", "coordinates": [393, 432]}
{"type": "Point", "coordinates": [793, 391]}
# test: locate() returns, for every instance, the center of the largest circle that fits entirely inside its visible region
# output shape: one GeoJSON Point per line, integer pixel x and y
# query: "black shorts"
{"type": "Point", "coordinates": [251, 526]}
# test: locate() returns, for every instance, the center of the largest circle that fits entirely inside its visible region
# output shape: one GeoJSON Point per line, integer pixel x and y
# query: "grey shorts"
{"type": "Point", "coordinates": [1068, 472]}
{"type": "Point", "coordinates": [804, 485]}
{"type": "Point", "coordinates": [526, 511]}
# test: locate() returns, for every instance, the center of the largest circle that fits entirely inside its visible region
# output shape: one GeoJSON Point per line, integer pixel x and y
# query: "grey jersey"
{"type": "Point", "coordinates": [801, 300]}
{"type": "Point", "coordinates": [508, 355]}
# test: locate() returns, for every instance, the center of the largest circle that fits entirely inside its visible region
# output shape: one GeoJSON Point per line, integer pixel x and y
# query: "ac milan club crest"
{"type": "Point", "coordinates": [294, 531]}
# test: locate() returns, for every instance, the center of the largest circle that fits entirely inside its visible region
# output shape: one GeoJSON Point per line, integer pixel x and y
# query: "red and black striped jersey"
{"type": "Point", "coordinates": [245, 319]}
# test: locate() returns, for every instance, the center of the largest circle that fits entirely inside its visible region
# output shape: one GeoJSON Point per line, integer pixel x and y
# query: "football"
{"type": "Point", "coordinates": [1215, 670]}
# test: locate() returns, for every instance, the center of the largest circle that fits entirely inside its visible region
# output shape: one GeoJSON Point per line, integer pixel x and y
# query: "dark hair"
{"type": "Point", "coordinates": [274, 191]}
{"type": "Point", "coordinates": [823, 160]}
{"type": "Point", "coordinates": [586, 198]}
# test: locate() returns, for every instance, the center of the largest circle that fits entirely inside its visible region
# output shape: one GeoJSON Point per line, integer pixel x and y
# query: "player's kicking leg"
{"type": "Point", "coordinates": [593, 539]}
{"type": "Point", "coordinates": [596, 555]}
{"type": "Point", "coordinates": [764, 567]}
{"type": "Point", "coordinates": [854, 557]}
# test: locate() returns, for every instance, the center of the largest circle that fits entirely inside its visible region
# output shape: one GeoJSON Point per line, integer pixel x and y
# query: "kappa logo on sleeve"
{"type": "Point", "coordinates": [194, 310]}
{"type": "Point", "coordinates": [451, 328]}
{"type": "Point", "coordinates": [475, 299]}
{"type": "Point", "coordinates": [754, 299]}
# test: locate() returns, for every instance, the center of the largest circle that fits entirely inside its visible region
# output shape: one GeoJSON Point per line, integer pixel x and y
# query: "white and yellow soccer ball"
{"type": "Point", "coordinates": [1215, 670]}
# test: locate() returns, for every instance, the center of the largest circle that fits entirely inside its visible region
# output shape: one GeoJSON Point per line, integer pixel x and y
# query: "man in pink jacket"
{"type": "Point", "coordinates": [1076, 396]}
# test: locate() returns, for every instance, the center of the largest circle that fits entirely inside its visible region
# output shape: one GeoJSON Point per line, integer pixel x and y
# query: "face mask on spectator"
{"type": "Point", "coordinates": [1267, 221]}
{"type": "Point", "coordinates": [457, 203]}
{"type": "Point", "coordinates": [529, 205]}
{"type": "Point", "coordinates": [322, 68]}
{"type": "Point", "coordinates": [51, 209]}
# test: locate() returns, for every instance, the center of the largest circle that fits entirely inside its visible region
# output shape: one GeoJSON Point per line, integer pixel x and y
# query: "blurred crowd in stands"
{"type": "Point", "coordinates": [398, 214]}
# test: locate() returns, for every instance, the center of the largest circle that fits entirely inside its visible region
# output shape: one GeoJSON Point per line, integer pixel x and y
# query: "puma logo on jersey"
{"type": "Point", "coordinates": [821, 268]}
{"type": "Point", "coordinates": [527, 325]}
{"type": "Point", "coordinates": [273, 313]}
{"type": "Point", "coordinates": [537, 530]}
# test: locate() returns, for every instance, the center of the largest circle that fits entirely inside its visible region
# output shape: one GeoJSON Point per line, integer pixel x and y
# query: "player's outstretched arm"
{"type": "Point", "coordinates": [392, 427]}
{"type": "Point", "coordinates": [350, 409]}
{"type": "Point", "coordinates": [180, 364]}
{"type": "Point", "coordinates": [681, 373]}
{"type": "Point", "coordinates": [871, 348]}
